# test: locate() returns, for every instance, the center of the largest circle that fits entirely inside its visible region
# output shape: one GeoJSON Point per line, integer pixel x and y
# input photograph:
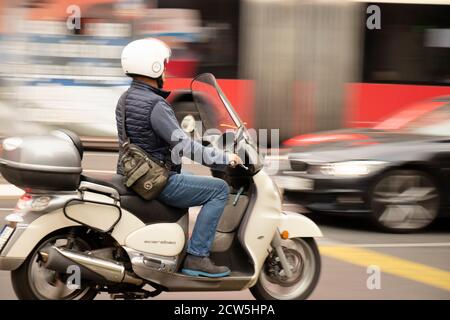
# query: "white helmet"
{"type": "Point", "coordinates": [145, 57]}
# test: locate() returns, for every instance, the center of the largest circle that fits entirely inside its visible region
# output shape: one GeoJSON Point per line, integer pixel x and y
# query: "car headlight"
{"type": "Point", "coordinates": [350, 168]}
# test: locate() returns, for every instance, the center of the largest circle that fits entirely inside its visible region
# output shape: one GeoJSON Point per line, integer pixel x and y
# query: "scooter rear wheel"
{"type": "Point", "coordinates": [32, 281]}
{"type": "Point", "coordinates": [303, 256]}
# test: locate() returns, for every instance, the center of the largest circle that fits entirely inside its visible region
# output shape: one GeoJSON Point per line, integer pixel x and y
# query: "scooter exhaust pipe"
{"type": "Point", "coordinates": [91, 268]}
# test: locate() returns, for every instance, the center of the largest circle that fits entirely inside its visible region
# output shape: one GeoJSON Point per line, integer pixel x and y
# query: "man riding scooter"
{"type": "Point", "coordinates": [151, 124]}
{"type": "Point", "coordinates": [121, 242]}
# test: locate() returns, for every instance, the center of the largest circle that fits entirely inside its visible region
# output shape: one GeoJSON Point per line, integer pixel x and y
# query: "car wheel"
{"type": "Point", "coordinates": [404, 201]}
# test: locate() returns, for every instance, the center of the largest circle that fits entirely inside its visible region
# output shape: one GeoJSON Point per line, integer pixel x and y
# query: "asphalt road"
{"type": "Point", "coordinates": [413, 266]}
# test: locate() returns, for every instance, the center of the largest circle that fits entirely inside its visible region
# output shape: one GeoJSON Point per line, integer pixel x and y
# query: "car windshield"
{"type": "Point", "coordinates": [214, 108]}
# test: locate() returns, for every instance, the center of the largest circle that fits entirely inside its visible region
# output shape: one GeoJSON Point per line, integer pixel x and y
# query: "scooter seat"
{"type": "Point", "coordinates": [148, 211]}
{"type": "Point", "coordinates": [113, 181]}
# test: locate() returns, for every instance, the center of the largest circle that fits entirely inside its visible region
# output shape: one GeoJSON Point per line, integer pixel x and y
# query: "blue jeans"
{"type": "Point", "coordinates": [186, 190]}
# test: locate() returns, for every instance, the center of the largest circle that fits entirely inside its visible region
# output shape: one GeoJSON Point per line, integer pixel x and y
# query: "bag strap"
{"type": "Point", "coordinates": [125, 138]}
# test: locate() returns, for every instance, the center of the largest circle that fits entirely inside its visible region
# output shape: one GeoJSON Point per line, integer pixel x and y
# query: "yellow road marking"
{"type": "Point", "coordinates": [389, 264]}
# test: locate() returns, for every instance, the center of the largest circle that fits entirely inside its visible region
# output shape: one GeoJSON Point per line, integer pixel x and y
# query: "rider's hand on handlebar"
{"type": "Point", "coordinates": [234, 160]}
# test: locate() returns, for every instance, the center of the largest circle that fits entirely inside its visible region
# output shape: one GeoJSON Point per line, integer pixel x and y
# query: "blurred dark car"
{"type": "Point", "coordinates": [398, 172]}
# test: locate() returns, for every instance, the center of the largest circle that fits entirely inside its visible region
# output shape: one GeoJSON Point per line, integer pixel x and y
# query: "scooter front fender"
{"type": "Point", "coordinates": [298, 226]}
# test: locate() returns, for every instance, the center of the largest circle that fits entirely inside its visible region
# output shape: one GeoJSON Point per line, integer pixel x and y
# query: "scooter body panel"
{"type": "Point", "coordinates": [36, 226]}
{"type": "Point", "coordinates": [259, 226]}
{"type": "Point", "coordinates": [26, 237]}
{"type": "Point", "coordinates": [166, 239]}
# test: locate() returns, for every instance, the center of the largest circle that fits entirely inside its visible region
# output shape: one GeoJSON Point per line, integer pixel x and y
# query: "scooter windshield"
{"type": "Point", "coordinates": [212, 104]}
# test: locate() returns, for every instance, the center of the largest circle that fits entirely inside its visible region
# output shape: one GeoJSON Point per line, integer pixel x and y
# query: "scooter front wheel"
{"type": "Point", "coordinates": [303, 257]}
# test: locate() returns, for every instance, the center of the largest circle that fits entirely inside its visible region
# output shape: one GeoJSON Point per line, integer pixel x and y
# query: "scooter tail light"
{"type": "Point", "coordinates": [26, 197]}
{"type": "Point", "coordinates": [24, 202]}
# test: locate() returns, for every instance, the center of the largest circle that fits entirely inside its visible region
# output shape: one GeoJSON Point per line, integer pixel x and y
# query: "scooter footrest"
{"type": "Point", "coordinates": [196, 273]}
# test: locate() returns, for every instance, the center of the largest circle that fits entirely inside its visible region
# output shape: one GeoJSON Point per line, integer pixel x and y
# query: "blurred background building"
{"type": "Point", "coordinates": [294, 65]}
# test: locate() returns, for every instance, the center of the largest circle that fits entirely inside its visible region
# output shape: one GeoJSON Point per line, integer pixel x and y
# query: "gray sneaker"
{"type": "Point", "coordinates": [203, 266]}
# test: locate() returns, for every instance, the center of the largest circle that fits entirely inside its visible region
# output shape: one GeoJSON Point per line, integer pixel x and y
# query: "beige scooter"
{"type": "Point", "coordinates": [69, 225]}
